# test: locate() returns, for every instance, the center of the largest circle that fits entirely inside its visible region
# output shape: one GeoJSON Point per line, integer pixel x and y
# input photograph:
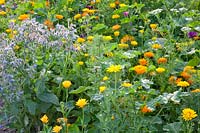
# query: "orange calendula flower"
{"type": "Point", "coordinates": [44, 119]}
{"type": "Point", "coordinates": [186, 75]}
{"type": "Point", "coordinates": [188, 114]}
{"type": "Point", "coordinates": [127, 38]}
{"type": "Point", "coordinates": [162, 60]}
{"type": "Point", "coordinates": [58, 16]}
{"type": "Point", "coordinates": [23, 17]}
{"type": "Point", "coordinates": [116, 27]}
{"type": "Point", "coordinates": [81, 103]}
{"type": "Point", "coordinates": [172, 79]}
{"type": "Point", "coordinates": [143, 62]}
{"type": "Point", "coordinates": [148, 54]}
{"type": "Point", "coordinates": [145, 109]}
{"type": "Point", "coordinates": [66, 84]}
{"type": "Point", "coordinates": [48, 23]}
{"type": "Point", "coordinates": [139, 69]}
{"type": "Point", "coordinates": [183, 84]}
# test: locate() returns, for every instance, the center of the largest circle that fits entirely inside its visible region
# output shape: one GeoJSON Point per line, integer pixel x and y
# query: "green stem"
{"type": "Point", "coordinates": [82, 121]}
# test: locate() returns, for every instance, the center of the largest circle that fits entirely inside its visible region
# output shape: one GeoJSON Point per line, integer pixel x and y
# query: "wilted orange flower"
{"type": "Point", "coordinates": [145, 109]}
{"type": "Point", "coordinates": [143, 62]}
{"type": "Point", "coordinates": [58, 16]}
{"type": "Point", "coordinates": [162, 60]}
{"type": "Point", "coordinates": [189, 69]}
{"type": "Point", "coordinates": [23, 17]}
{"type": "Point", "coordinates": [116, 27]}
{"type": "Point", "coordinates": [185, 75]}
{"type": "Point", "coordinates": [127, 38]}
{"type": "Point", "coordinates": [148, 54]}
{"type": "Point", "coordinates": [196, 90]}
{"type": "Point", "coordinates": [172, 79]}
{"type": "Point", "coordinates": [139, 69]}
{"type": "Point", "coordinates": [48, 23]}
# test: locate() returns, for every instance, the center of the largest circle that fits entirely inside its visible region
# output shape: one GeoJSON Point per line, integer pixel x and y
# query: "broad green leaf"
{"type": "Point", "coordinates": [79, 90]}
{"type": "Point", "coordinates": [31, 106]}
{"type": "Point", "coordinates": [73, 129]}
{"type": "Point", "coordinates": [48, 98]}
{"type": "Point", "coordinates": [194, 62]}
{"type": "Point", "coordinates": [173, 127]}
{"type": "Point", "coordinates": [99, 27]}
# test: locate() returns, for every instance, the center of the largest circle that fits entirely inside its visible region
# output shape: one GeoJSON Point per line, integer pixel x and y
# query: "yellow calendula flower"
{"type": "Point", "coordinates": [105, 78]}
{"type": "Point", "coordinates": [86, 54]}
{"type": "Point", "coordinates": [114, 68]}
{"type": "Point", "coordinates": [77, 16]}
{"type": "Point", "coordinates": [183, 84]}
{"type": "Point", "coordinates": [126, 84]}
{"type": "Point", "coordinates": [44, 119]}
{"type": "Point", "coordinates": [122, 5]}
{"type": "Point", "coordinates": [80, 40]}
{"type": "Point", "coordinates": [188, 114]}
{"type": "Point", "coordinates": [23, 17]}
{"type": "Point", "coordinates": [107, 38]}
{"type": "Point", "coordinates": [134, 43]}
{"type": "Point", "coordinates": [8, 30]}
{"type": "Point", "coordinates": [66, 84]}
{"type": "Point", "coordinates": [90, 38]}
{"type": "Point", "coordinates": [58, 16]}
{"type": "Point", "coordinates": [16, 47]}
{"type": "Point", "coordinates": [156, 46]}
{"type": "Point", "coordinates": [141, 31]}
{"type": "Point", "coordinates": [121, 45]}
{"type": "Point", "coordinates": [109, 54]}
{"type": "Point", "coordinates": [115, 16]}
{"type": "Point", "coordinates": [102, 89]}
{"type": "Point", "coordinates": [2, 2]}
{"type": "Point", "coordinates": [81, 103]}
{"type": "Point", "coordinates": [153, 26]}
{"type": "Point", "coordinates": [2, 13]}
{"type": "Point", "coordinates": [112, 5]}
{"type": "Point", "coordinates": [160, 70]}
{"type": "Point", "coordinates": [56, 129]}
{"type": "Point", "coordinates": [116, 33]}
{"type": "Point", "coordinates": [80, 63]}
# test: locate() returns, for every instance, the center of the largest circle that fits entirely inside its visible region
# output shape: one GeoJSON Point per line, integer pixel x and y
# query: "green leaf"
{"type": "Point", "coordinates": [31, 106]}
{"type": "Point", "coordinates": [99, 27]}
{"type": "Point", "coordinates": [73, 129]}
{"type": "Point", "coordinates": [79, 90]}
{"type": "Point", "coordinates": [173, 127]}
{"type": "Point", "coordinates": [194, 62]}
{"type": "Point", "coordinates": [48, 98]}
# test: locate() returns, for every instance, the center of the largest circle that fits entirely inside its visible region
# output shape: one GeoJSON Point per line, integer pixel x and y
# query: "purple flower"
{"type": "Point", "coordinates": [126, 14]}
{"type": "Point", "coordinates": [192, 34]}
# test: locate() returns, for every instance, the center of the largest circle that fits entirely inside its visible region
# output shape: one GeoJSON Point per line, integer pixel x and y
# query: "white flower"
{"type": "Point", "coordinates": [197, 28]}
{"type": "Point", "coordinates": [156, 11]}
{"type": "Point", "coordinates": [185, 29]}
{"type": "Point", "coordinates": [188, 19]}
{"type": "Point", "coordinates": [182, 9]}
{"type": "Point", "coordinates": [174, 10]}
